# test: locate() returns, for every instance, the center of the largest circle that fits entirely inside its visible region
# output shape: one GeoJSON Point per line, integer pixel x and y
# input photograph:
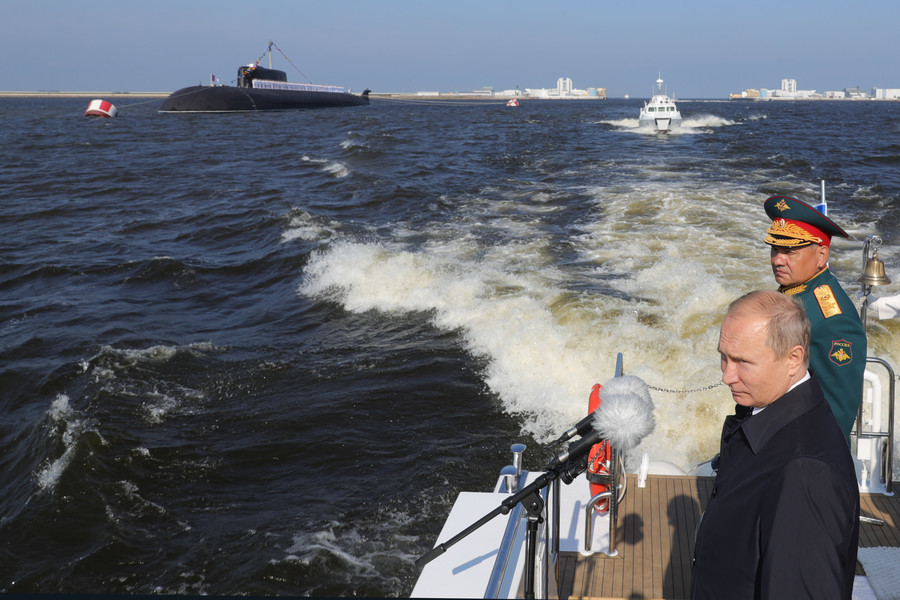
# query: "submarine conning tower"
{"type": "Point", "coordinates": [247, 73]}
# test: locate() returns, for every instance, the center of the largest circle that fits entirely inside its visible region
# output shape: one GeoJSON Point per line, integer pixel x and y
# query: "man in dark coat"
{"type": "Point", "coordinates": [800, 240]}
{"type": "Point", "coordinates": [783, 517]}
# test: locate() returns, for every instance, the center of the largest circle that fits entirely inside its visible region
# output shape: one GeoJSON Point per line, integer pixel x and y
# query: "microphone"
{"type": "Point", "coordinates": [624, 417]}
{"type": "Point", "coordinates": [577, 449]}
{"type": "Point", "coordinates": [583, 426]}
{"type": "Point", "coordinates": [625, 414]}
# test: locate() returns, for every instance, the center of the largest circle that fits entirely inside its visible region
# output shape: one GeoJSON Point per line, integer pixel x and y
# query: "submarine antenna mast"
{"type": "Point", "coordinates": [270, 53]}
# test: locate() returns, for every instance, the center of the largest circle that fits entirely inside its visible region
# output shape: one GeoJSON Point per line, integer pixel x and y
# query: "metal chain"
{"type": "Point", "coordinates": [694, 391]}
{"type": "Point", "coordinates": [703, 389]}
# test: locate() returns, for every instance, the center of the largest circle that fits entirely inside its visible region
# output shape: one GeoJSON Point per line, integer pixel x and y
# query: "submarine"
{"type": "Point", "coordinates": [259, 88]}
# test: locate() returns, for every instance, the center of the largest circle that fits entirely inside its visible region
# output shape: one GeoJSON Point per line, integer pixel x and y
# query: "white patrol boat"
{"type": "Point", "coordinates": [660, 112]}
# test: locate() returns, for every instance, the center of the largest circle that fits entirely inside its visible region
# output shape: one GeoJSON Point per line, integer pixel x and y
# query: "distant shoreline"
{"type": "Point", "coordinates": [59, 94]}
{"type": "Point", "coordinates": [62, 94]}
{"type": "Point", "coordinates": [410, 96]}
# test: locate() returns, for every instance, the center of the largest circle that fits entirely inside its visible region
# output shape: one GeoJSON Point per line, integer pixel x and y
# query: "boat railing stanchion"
{"type": "Point", "coordinates": [615, 493]}
{"type": "Point", "coordinates": [517, 451]}
{"type": "Point", "coordinates": [511, 475]}
{"type": "Point", "coordinates": [589, 524]}
{"type": "Point", "coordinates": [880, 429]}
{"type": "Point", "coordinates": [508, 474]}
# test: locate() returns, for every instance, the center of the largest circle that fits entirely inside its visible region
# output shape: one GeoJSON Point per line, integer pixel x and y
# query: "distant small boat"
{"type": "Point", "coordinates": [259, 88]}
{"type": "Point", "coordinates": [660, 112]}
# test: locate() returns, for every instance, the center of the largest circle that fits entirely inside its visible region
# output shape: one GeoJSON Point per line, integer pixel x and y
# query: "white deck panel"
{"type": "Point", "coordinates": [464, 569]}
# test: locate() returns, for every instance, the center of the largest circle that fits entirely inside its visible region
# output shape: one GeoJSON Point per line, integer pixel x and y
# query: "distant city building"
{"type": "Point", "coordinates": [748, 93]}
{"type": "Point", "coordinates": [485, 91]}
{"type": "Point", "coordinates": [789, 90]}
{"type": "Point", "coordinates": [886, 94]}
{"type": "Point", "coordinates": [565, 89]}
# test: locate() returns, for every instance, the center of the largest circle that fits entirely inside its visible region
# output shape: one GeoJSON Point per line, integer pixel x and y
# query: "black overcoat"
{"type": "Point", "coordinates": [783, 517]}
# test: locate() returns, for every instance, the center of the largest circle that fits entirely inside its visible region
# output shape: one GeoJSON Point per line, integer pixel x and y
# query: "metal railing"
{"type": "Point", "coordinates": [512, 480]}
{"type": "Point", "coordinates": [887, 465]}
{"type": "Point", "coordinates": [616, 471]}
{"type": "Point", "coordinates": [502, 565]}
{"type": "Point", "coordinates": [616, 493]}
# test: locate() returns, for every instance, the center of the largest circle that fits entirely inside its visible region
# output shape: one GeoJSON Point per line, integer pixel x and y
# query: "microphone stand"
{"type": "Point", "coordinates": [530, 499]}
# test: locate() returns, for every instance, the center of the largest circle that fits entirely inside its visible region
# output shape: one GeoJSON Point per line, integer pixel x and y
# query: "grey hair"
{"type": "Point", "coordinates": [786, 322]}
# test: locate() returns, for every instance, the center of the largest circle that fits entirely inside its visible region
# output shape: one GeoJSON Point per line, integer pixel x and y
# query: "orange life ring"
{"type": "Point", "coordinates": [599, 456]}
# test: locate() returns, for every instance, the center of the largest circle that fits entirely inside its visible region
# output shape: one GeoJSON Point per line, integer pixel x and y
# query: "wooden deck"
{"type": "Point", "coordinates": [654, 559]}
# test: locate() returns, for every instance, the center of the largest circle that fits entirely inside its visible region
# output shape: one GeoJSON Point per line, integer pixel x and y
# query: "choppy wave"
{"type": "Point", "coordinates": [119, 373]}
{"type": "Point", "coordinates": [547, 340]}
{"type": "Point", "coordinates": [66, 430]}
{"type": "Point", "coordinates": [690, 125]}
{"type": "Point", "coordinates": [331, 167]}
{"type": "Point", "coordinates": [306, 226]}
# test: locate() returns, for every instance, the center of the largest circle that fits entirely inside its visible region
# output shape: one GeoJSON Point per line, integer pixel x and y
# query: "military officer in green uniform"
{"type": "Point", "coordinates": [800, 238]}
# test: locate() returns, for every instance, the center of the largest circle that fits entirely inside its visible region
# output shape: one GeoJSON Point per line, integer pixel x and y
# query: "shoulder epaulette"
{"type": "Point", "coordinates": [827, 302]}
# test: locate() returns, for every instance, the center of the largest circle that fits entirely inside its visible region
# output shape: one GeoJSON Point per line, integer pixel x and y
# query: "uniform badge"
{"type": "Point", "coordinates": [841, 352]}
{"type": "Point", "coordinates": [782, 205]}
{"type": "Point", "coordinates": [794, 290]}
{"type": "Point", "coordinates": [827, 302]}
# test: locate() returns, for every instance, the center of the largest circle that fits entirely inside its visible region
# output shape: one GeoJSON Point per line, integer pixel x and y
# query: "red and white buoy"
{"type": "Point", "coordinates": [513, 102]}
{"type": "Point", "coordinates": [100, 108]}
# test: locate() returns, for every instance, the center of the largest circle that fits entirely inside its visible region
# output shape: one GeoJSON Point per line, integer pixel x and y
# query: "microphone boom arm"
{"type": "Point", "coordinates": [567, 471]}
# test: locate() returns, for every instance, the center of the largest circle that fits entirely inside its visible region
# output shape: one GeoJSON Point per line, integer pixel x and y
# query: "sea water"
{"type": "Point", "coordinates": [262, 353]}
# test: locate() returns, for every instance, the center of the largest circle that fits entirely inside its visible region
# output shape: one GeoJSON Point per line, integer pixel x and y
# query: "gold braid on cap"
{"type": "Point", "coordinates": [796, 234]}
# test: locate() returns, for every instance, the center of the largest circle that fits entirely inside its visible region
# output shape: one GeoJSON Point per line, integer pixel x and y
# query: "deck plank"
{"type": "Point", "coordinates": [886, 508]}
{"type": "Point", "coordinates": [684, 509]}
{"type": "Point", "coordinates": [649, 575]}
{"type": "Point", "coordinates": [655, 541]}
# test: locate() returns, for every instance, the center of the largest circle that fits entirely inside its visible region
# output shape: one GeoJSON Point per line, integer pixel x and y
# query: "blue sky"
{"type": "Point", "coordinates": [703, 48]}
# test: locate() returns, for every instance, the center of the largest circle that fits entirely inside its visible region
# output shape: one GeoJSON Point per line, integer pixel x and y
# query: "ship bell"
{"type": "Point", "coordinates": [873, 274]}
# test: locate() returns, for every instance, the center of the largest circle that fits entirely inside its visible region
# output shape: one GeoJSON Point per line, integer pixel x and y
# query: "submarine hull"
{"type": "Point", "coordinates": [213, 99]}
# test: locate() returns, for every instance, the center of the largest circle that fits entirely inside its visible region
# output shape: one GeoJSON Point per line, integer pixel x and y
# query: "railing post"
{"type": "Point", "coordinates": [889, 458]}
{"type": "Point", "coordinates": [614, 472]}
{"type": "Point", "coordinates": [615, 494]}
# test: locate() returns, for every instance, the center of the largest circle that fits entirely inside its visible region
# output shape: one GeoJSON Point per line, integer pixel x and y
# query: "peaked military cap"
{"type": "Point", "coordinates": [796, 224]}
